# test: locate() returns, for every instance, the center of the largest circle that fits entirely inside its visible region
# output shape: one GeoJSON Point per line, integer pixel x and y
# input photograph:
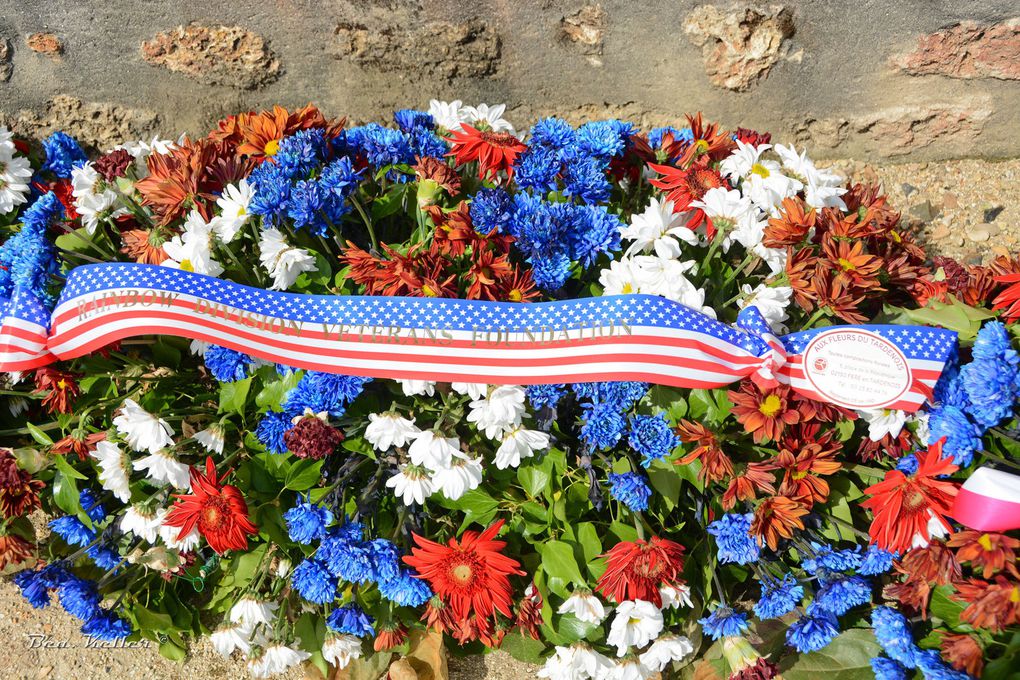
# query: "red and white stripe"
{"type": "Point", "coordinates": [988, 501]}
{"type": "Point", "coordinates": [23, 345]}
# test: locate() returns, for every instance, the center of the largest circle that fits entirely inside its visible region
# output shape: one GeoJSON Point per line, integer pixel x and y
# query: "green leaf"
{"type": "Point", "coordinates": [588, 538]}
{"type": "Point", "coordinates": [173, 651]}
{"type": "Point", "coordinates": [523, 648]}
{"type": "Point", "coordinates": [534, 478]}
{"type": "Point", "coordinates": [477, 506]}
{"type": "Point", "coordinates": [946, 608]}
{"type": "Point", "coordinates": [558, 561]}
{"type": "Point", "coordinates": [65, 467]}
{"type": "Point", "coordinates": [148, 619]}
{"type": "Point", "coordinates": [954, 315]}
{"type": "Point", "coordinates": [38, 435]}
{"type": "Point", "coordinates": [272, 395]}
{"type": "Point", "coordinates": [848, 657]}
{"type": "Point", "coordinates": [666, 481]}
{"type": "Point", "coordinates": [304, 475]}
{"type": "Point", "coordinates": [233, 395]}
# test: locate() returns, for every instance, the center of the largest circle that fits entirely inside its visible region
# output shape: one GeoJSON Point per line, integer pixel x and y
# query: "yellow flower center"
{"type": "Point", "coordinates": [428, 291]}
{"type": "Point", "coordinates": [1014, 595]}
{"type": "Point", "coordinates": [627, 288]}
{"type": "Point", "coordinates": [770, 405]}
{"type": "Point", "coordinates": [62, 384]}
{"type": "Point", "coordinates": [187, 266]}
{"type": "Point", "coordinates": [800, 474]}
{"type": "Point", "coordinates": [985, 541]}
{"type": "Point", "coordinates": [461, 573]}
{"type": "Point", "coordinates": [760, 170]}
{"type": "Point", "coordinates": [515, 295]}
{"type": "Point", "coordinates": [700, 147]}
{"type": "Point", "coordinates": [846, 264]}
{"type": "Point", "coordinates": [272, 146]}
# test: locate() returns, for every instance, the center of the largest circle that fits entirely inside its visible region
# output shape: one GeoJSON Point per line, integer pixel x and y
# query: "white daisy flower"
{"type": "Point", "coordinates": [93, 199]}
{"type": "Point", "coordinates": [15, 174]}
{"type": "Point", "coordinates": [173, 539]}
{"type": "Point", "coordinates": [448, 115]}
{"type": "Point", "coordinates": [233, 204]}
{"type": "Point", "coordinates": [519, 443]}
{"type": "Point", "coordinates": [192, 250]}
{"type": "Point", "coordinates": [338, 650]}
{"type": "Point", "coordinates": [163, 466]}
{"type": "Point", "coordinates": [658, 229]}
{"type": "Point", "coordinates": [500, 410]}
{"type": "Point", "coordinates": [433, 451]}
{"type": "Point", "coordinates": [386, 430]}
{"type": "Point", "coordinates": [284, 262]}
{"type": "Point", "coordinates": [883, 421]}
{"type": "Point", "coordinates": [636, 623]}
{"type": "Point", "coordinates": [7, 147]}
{"type": "Point", "coordinates": [666, 650]}
{"type": "Point", "coordinates": [727, 208]}
{"type": "Point", "coordinates": [577, 662]}
{"type": "Point", "coordinates": [461, 476]}
{"type": "Point", "coordinates": [114, 469]}
{"type": "Point", "coordinates": [621, 278]}
{"type": "Point", "coordinates": [674, 596]}
{"type": "Point", "coordinates": [585, 606]}
{"type": "Point", "coordinates": [276, 659]}
{"type": "Point", "coordinates": [628, 669]}
{"type": "Point", "coordinates": [823, 189]}
{"type": "Point", "coordinates": [140, 150]}
{"type": "Point", "coordinates": [414, 388]}
{"type": "Point", "coordinates": [771, 301]}
{"type": "Point", "coordinates": [473, 390]}
{"type": "Point", "coordinates": [484, 116]}
{"type": "Point", "coordinates": [413, 484]}
{"type": "Point", "coordinates": [141, 522]}
{"type": "Point", "coordinates": [142, 430]}
{"type": "Point", "coordinates": [230, 637]}
{"type": "Point", "coordinates": [252, 611]}
{"type": "Point", "coordinates": [211, 438]}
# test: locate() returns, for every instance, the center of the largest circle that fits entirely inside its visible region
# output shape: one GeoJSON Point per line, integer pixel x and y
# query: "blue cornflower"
{"type": "Point", "coordinates": [631, 489]}
{"type": "Point", "coordinates": [271, 429]}
{"type": "Point", "coordinates": [949, 389]}
{"type": "Point", "coordinates": [541, 396]}
{"type": "Point", "coordinates": [550, 271]}
{"type": "Point", "coordinates": [991, 386]}
{"type": "Point", "coordinates": [827, 557]}
{"type": "Point", "coordinates": [652, 437]}
{"type": "Point", "coordinates": [426, 143]}
{"type": "Point", "coordinates": [79, 597]}
{"type": "Point", "coordinates": [352, 620]}
{"type": "Point", "coordinates": [91, 505]}
{"type": "Point", "coordinates": [963, 437]}
{"type": "Point", "coordinates": [313, 581]}
{"type": "Point", "coordinates": [887, 669]}
{"type": "Point", "coordinates": [876, 561]}
{"type": "Point", "coordinates": [839, 593]}
{"type": "Point", "coordinates": [908, 464]}
{"type": "Point", "coordinates": [62, 154]}
{"type": "Point", "coordinates": [103, 557]}
{"type": "Point", "coordinates": [381, 146]}
{"type": "Point", "coordinates": [306, 205]}
{"type": "Point", "coordinates": [723, 621]}
{"type": "Point", "coordinates": [537, 169]}
{"type": "Point", "coordinates": [623, 394]}
{"type": "Point", "coordinates": [34, 587]}
{"type": "Point", "coordinates": [605, 138]}
{"type": "Point", "coordinates": [603, 425]}
{"type": "Point", "coordinates": [227, 365]}
{"type": "Point", "coordinates": [72, 530]}
{"type": "Point", "coordinates": [933, 668]}
{"type": "Point", "coordinates": [993, 343]}
{"type": "Point", "coordinates": [406, 590]}
{"type": "Point", "coordinates": [491, 209]}
{"type": "Point", "coordinates": [271, 191]}
{"type": "Point", "coordinates": [385, 559]}
{"type": "Point", "coordinates": [597, 231]}
{"type": "Point", "coordinates": [28, 259]}
{"type": "Point", "coordinates": [346, 554]}
{"type": "Point", "coordinates": [585, 177]}
{"type": "Point", "coordinates": [893, 633]}
{"type": "Point", "coordinates": [328, 392]}
{"type": "Point", "coordinates": [106, 625]}
{"type": "Point", "coordinates": [411, 119]}
{"type": "Point", "coordinates": [812, 632]}
{"type": "Point", "coordinates": [778, 598]}
{"type": "Point", "coordinates": [307, 522]}
{"type": "Point", "coordinates": [301, 152]}
{"type": "Point", "coordinates": [553, 133]}
{"type": "Point", "coordinates": [340, 177]}
{"type": "Point", "coordinates": [733, 537]}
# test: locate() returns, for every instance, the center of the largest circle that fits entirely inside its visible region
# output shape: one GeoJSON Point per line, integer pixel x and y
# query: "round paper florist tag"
{"type": "Point", "coordinates": [856, 369]}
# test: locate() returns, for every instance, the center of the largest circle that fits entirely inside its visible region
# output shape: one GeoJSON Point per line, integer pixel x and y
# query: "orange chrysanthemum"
{"type": "Point", "coordinates": [903, 506]}
{"type": "Point", "coordinates": [391, 634]}
{"type": "Point", "coordinates": [470, 575]}
{"type": "Point", "coordinates": [707, 142]}
{"type": "Point", "coordinates": [636, 569]}
{"type": "Point", "coordinates": [792, 225]}
{"type": "Point", "coordinates": [963, 652]}
{"type": "Point", "coordinates": [764, 414]}
{"type": "Point", "coordinates": [853, 266]}
{"type": "Point", "coordinates": [715, 465]}
{"type": "Point", "coordinates": [60, 389]}
{"type": "Point", "coordinates": [495, 152]}
{"type": "Point", "coordinates": [756, 478]}
{"type": "Point", "coordinates": [992, 605]}
{"type": "Point", "coordinates": [19, 492]}
{"type": "Point", "coordinates": [260, 133]}
{"type": "Point", "coordinates": [144, 245]}
{"type": "Point", "coordinates": [217, 509]}
{"type": "Point", "coordinates": [776, 518]}
{"type": "Point", "coordinates": [990, 552]}
{"type": "Point", "coordinates": [181, 180]}
{"type": "Point", "coordinates": [13, 550]}
{"type": "Point", "coordinates": [77, 443]}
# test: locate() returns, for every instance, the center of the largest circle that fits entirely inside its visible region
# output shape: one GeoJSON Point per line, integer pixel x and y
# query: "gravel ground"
{"type": "Point", "coordinates": [968, 209]}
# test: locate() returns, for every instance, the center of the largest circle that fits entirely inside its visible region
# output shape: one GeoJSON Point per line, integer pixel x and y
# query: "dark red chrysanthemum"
{"type": "Point", "coordinates": [218, 510]}
{"type": "Point", "coordinates": [19, 492]}
{"type": "Point", "coordinates": [13, 550]}
{"type": "Point", "coordinates": [636, 569]}
{"type": "Point", "coordinates": [494, 151]}
{"type": "Point", "coordinates": [312, 438]}
{"type": "Point", "coordinates": [470, 575]}
{"type": "Point", "coordinates": [60, 389]}
{"type": "Point", "coordinates": [903, 506]}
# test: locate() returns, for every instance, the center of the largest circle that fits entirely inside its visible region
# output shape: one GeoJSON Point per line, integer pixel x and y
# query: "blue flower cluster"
{"type": "Point", "coordinates": [381, 147]}
{"type": "Point", "coordinates": [573, 162]}
{"type": "Point", "coordinates": [28, 259]}
{"type": "Point", "coordinates": [541, 396]}
{"type": "Point", "coordinates": [724, 621]}
{"type": "Point", "coordinates": [308, 180]}
{"type": "Point", "coordinates": [980, 395]}
{"type": "Point", "coordinates": [74, 532]}
{"type": "Point", "coordinates": [345, 554]}
{"type": "Point", "coordinates": [778, 597]}
{"type": "Point", "coordinates": [227, 365]}
{"type": "Point", "coordinates": [351, 620]}
{"type": "Point", "coordinates": [552, 236]}
{"type": "Point", "coordinates": [652, 437]}
{"type": "Point", "coordinates": [317, 391]}
{"type": "Point", "coordinates": [307, 522]}
{"type": "Point", "coordinates": [631, 489]}
{"type": "Point", "coordinates": [62, 154]}
{"type": "Point", "coordinates": [604, 407]}
{"type": "Point", "coordinates": [79, 597]}
{"type": "Point", "coordinates": [901, 653]}
{"type": "Point", "coordinates": [734, 539]}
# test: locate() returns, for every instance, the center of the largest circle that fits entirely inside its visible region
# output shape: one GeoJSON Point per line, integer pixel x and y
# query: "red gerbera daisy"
{"type": "Point", "coordinates": [494, 151]}
{"type": "Point", "coordinates": [218, 510]}
{"type": "Point", "coordinates": [636, 569]}
{"type": "Point", "coordinates": [903, 506]}
{"type": "Point", "coordinates": [1009, 299]}
{"type": "Point", "coordinates": [684, 186]}
{"type": "Point", "coordinates": [469, 575]}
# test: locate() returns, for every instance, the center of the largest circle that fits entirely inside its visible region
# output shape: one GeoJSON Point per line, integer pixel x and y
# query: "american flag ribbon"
{"type": "Point", "coordinates": [624, 337]}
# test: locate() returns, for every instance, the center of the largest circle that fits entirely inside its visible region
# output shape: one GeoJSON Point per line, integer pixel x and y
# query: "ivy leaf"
{"type": "Point", "coordinates": [535, 478]}
{"type": "Point", "coordinates": [150, 620]}
{"type": "Point", "coordinates": [558, 562]}
{"type": "Point", "coordinates": [272, 395]}
{"type": "Point", "coordinates": [233, 396]}
{"type": "Point", "coordinates": [666, 481]}
{"type": "Point", "coordinates": [172, 651]}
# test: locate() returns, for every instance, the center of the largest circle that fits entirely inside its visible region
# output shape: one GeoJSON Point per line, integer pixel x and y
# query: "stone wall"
{"type": "Point", "coordinates": [913, 79]}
